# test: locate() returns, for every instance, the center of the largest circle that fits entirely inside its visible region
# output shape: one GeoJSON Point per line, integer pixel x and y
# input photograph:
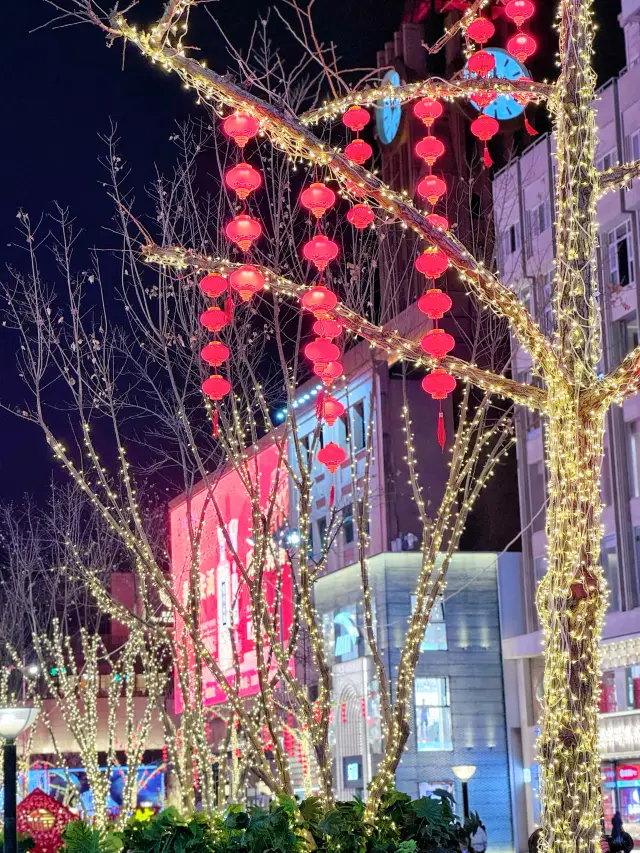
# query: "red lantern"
{"type": "Point", "coordinates": [429, 149]}
{"type": "Point", "coordinates": [519, 11]}
{"type": "Point", "coordinates": [243, 179]}
{"type": "Point", "coordinates": [318, 199]}
{"type": "Point", "coordinates": [483, 99]}
{"type": "Point", "coordinates": [321, 352]}
{"type": "Point", "coordinates": [523, 98]}
{"type": "Point", "coordinates": [485, 127]}
{"type": "Point", "coordinates": [332, 456]}
{"type": "Point", "coordinates": [247, 280]}
{"type": "Point", "coordinates": [241, 128]}
{"type": "Point", "coordinates": [435, 303]}
{"type": "Point", "coordinates": [437, 343]}
{"type": "Point", "coordinates": [320, 300]}
{"type": "Point", "coordinates": [213, 285]}
{"type": "Point", "coordinates": [427, 110]}
{"type": "Point", "coordinates": [359, 151]}
{"type": "Point", "coordinates": [243, 230]}
{"type": "Point", "coordinates": [327, 328]}
{"type": "Point", "coordinates": [432, 263]}
{"type": "Point", "coordinates": [439, 384]}
{"type": "Point", "coordinates": [214, 319]}
{"type": "Point", "coordinates": [481, 63]}
{"type": "Point", "coordinates": [332, 409]}
{"type": "Point", "coordinates": [356, 118]}
{"type": "Point", "coordinates": [521, 46]}
{"type": "Point", "coordinates": [360, 216]}
{"type": "Point", "coordinates": [320, 250]}
{"type": "Point", "coordinates": [440, 222]}
{"type": "Point", "coordinates": [215, 353]}
{"type": "Point", "coordinates": [431, 188]}
{"type": "Point", "coordinates": [481, 30]}
{"type": "Point", "coordinates": [332, 370]}
{"type": "Point", "coordinates": [216, 387]}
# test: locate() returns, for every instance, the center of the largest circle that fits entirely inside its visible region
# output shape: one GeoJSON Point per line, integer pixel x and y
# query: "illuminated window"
{"type": "Point", "coordinates": [620, 252]}
{"type": "Point", "coordinates": [435, 635]}
{"type": "Point", "coordinates": [433, 714]}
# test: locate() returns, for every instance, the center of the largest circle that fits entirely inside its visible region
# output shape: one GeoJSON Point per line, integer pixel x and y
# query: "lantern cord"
{"type": "Point", "coordinates": [228, 308]}
{"type": "Point", "coordinates": [528, 127]}
{"type": "Point", "coordinates": [442, 433]}
{"type": "Point", "coordinates": [332, 496]}
{"type": "Point", "coordinates": [488, 162]}
{"type": "Point", "coordinates": [215, 421]}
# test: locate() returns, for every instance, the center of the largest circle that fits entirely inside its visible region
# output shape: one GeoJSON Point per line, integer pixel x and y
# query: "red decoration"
{"type": "Point", "coordinates": [247, 280]}
{"type": "Point", "coordinates": [440, 222]}
{"type": "Point", "coordinates": [481, 30]}
{"type": "Point", "coordinates": [216, 387]}
{"type": "Point", "coordinates": [523, 98]}
{"type": "Point", "coordinates": [320, 250]}
{"type": "Point", "coordinates": [485, 128]}
{"type": "Point", "coordinates": [326, 328]}
{"type": "Point", "coordinates": [435, 303]}
{"type": "Point", "coordinates": [437, 343]}
{"type": "Point", "coordinates": [429, 149]}
{"type": "Point", "coordinates": [318, 199]}
{"type": "Point", "coordinates": [441, 433]}
{"type": "Point", "coordinates": [332, 409]}
{"type": "Point", "coordinates": [427, 110]}
{"type": "Point", "coordinates": [521, 46]}
{"type": "Point", "coordinates": [431, 188]}
{"type": "Point", "coordinates": [481, 63]}
{"type": "Point", "coordinates": [359, 151]}
{"type": "Point", "coordinates": [332, 456]}
{"type": "Point", "coordinates": [483, 99]}
{"type": "Point", "coordinates": [356, 118]}
{"type": "Point", "coordinates": [214, 319]}
{"type": "Point", "coordinates": [213, 285]}
{"type": "Point", "coordinates": [439, 384]}
{"type": "Point", "coordinates": [320, 300]}
{"type": "Point", "coordinates": [360, 216]}
{"type": "Point", "coordinates": [241, 128]}
{"type": "Point", "coordinates": [432, 263]}
{"type": "Point", "coordinates": [519, 11]}
{"type": "Point", "coordinates": [215, 353]}
{"type": "Point", "coordinates": [243, 231]}
{"type": "Point", "coordinates": [330, 372]}
{"type": "Point", "coordinates": [44, 819]}
{"type": "Point", "coordinates": [321, 352]}
{"type": "Point", "coordinates": [243, 179]}
{"type": "Point", "coordinates": [530, 130]}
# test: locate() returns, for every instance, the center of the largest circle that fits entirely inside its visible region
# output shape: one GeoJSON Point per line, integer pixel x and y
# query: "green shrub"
{"type": "Point", "coordinates": [80, 838]}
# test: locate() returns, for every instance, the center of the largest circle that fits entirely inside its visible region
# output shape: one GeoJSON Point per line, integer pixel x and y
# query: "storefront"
{"type": "Point", "coordinates": [621, 792]}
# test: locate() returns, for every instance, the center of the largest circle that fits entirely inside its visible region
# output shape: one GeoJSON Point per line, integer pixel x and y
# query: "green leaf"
{"type": "Point", "coordinates": [428, 808]}
{"type": "Point", "coordinates": [407, 846]}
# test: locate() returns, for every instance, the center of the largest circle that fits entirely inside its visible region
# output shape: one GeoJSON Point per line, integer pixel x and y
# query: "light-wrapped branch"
{"type": "Point", "coordinates": [618, 177]}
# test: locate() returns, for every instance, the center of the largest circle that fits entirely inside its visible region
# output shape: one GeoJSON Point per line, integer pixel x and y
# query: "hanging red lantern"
{"type": "Point", "coordinates": [247, 280]}
{"type": "Point", "coordinates": [437, 343]}
{"type": "Point", "coordinates": [216, 387]}
{"type": "Point", "coordinates": [215, 353]}
{"type": "Point", "coordinates": [332, 456]}
{"type": "Point", "coordinates": [214, 319]}
{"type": "Point", "coordinates": [360, 216]}
{"type": "Point", "coordinates": [435, 303]}
{"type": "Point", "coordinates": [359, 151]}
{"type": "Point", "coordinates": [481, 30]}
{"type": "Point", "coordinates": [427, 110]}
{"type": "Point", "coordinates": [243, 179]}
{"type": "Point", "coordinates": [523, 98]}
{"type": "Point", "coordinates": [439, 384]}
{"type": "Point", "coordinates": [519, 11]}
{"type": "Point", "coordinates": [213, 285]}
{"type": "Point", "coordinates": [483, 99]}
{"type": "Point", "coordinates": [429, 149]}
{"type": "Point", "coordinates": [332, 370]}
{"type": "Point", "coordinates": [332, 409]}
{"type": "Point", "coordinates": [241, 128]}
{"type": "Point", "coordinates": [440, 222]}
{"type": "Point", "coordinates": [521, 46]}
{"type": "Point", "coordinates": [243, 231]}
{"type": "Point", "coordinates": [356, 118]}
{"type": "Point", "coordinates": [320, 300]}
{"type": "Point", "coordinates": [432, 263]}
{"type": "Point", "coordinates": [481, 63]}
{"type": "Point", "coordinates": [431, 188]}
{"type": "Point", "coordinates": [485, 128]}
{"type": "Point", "coordinates": [320, 250]}
{"type": "Point", "coordinates": [318, 198]}
{"type": "Point", "coordinates": [327, 328]}
{"type": "Point", "coordinates": [321, 352]}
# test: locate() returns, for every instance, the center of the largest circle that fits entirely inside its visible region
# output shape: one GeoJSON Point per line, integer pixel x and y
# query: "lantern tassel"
{"type": "Point", "coordinates": [529, 128]}
{"type": "Point", "coordinates": [215, 422]}
{"type": "Point", "coordinates": [442, 434]}
{"type": "Point", "coordinates": [228, 308]}
{"type": "Point", "coordinates": [488, 162]}
{"type": "Point", "coordinates": [320, 405]}
{"type": "Point", "coordinates": [332, 496]}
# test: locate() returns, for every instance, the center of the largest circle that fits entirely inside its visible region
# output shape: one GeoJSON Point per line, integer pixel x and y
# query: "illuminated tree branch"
{"type": "Point", "coordinates": [617, 177]}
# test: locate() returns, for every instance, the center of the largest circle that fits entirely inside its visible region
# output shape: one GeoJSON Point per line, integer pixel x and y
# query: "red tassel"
{"type": "Point", "coordinates": [228, 308]}
{"type": "Point", "coordinates": [320, 405]}
{"type": "Point", "coordinates": [442, 435]}
{"type": "Point", "coordinates": [332, 496]}
{"type": "Point", "coordinates": [215, 423]}
{"type": "Point", "coordinates": [488, 162]}
{"type": "Point", "coordinates": [530, 130]}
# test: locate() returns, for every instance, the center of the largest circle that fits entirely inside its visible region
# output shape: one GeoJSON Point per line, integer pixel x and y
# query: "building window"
{"type": "Point", "coordinates": [539, 568]}
{"type": "Point", "coordinates": [608, 703]}
{"type": "Point", "coordinates": [633, 438]}
{"type": "Point", "coordinates": [344, 429]}
{"type": "Point", "coordinates": [633, 687]}
{"type": "Point", "coordinates": [433, 714]}
{"type": "Point", "coordinates": [537, 496]}
{"type": "Point", "coordinates": [621, 261]}
{"type": "Point", "coordinates": [605, 479]}
{"type": "Point", "coordinates": [347, 523]}
{"type": "Point", "coordinates": [435, 635]}
{"type": "Point", "coordinates": [626, 335]}
{"type": "Point", "coordinates": [322, 529]}
{"type": "Point", "coordinates": [538, 220]}
{"type": "Point", "coordinates": [545, 309]}
{"type": "Point", "coordinates": [525, 296]}
{"type": "Point", "coordinates": [634, 146]}
{"type": "Point", "coordinates": [609, 563]}
{"type": "Point", "coordinates": [607, 160]}
{"type": "Point", "coordinates": [359, 432]}
{"type": "Point", "coordinates": [511, 240]}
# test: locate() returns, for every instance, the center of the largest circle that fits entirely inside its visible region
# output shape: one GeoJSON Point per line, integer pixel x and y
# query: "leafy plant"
{"type": "Point", "coordinates": [80, 838]}
{"type": "Point", "coordinates": [25, 842]}
{"type": "Point", "coordinates": [170, 832]}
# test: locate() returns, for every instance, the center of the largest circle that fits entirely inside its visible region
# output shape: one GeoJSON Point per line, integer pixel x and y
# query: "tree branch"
{"type": "Point", "coordinates": [617, 177]}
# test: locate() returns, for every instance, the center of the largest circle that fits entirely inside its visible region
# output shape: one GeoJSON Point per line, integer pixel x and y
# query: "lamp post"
{"type": "Point", "coordinates": [464, 772]}
{"type": "Point", "coordinates": [13, 721]}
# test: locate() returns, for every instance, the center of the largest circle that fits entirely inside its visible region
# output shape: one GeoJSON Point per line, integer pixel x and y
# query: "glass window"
{"type": "Point", "coordinates": [322, 529]}
{"type": "Point", "coordinates": [634, 145]}
{"type": "Point", "coordinates": [633, 443]}
{"type": "Point", "coordinates": [538, 220]}
{"type": "Point", "coordinates": [607, 160]}
{"type": "Point", "coordinates": [344, 429]}
{"type": "Point", "coordinates": [537, 496]}
{"type": "Point", "coordinates": [609, 563]}
{"type": "Point", "coordinates": [433, 714]}
{"type": "Point", "coordinates": [621, 261]}
{"type": "Point", "coordinates": [545, 294]}
{"type": "Point", "coordinates": [358, 437]}
{"type": "Point", "coordinates": [626, 335]}
{"type": "Point", "coordinates": [539, 568]}
{"type": "Point", "coordinates": [347, 635]}
{"type": "Point", "coordinates": [435, 635]}
{"type": "Point", "coordinates": [608, 702]}
{"type": "Point", "coordinates": [633, 687]}
{"type": "Point", "coordinates": [524, 295]}
{"type": "Point", "coordinates": [347, 523]}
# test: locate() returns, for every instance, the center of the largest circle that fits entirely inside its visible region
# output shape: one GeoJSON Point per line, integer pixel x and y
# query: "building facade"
{"type": "Point", "coordinates": [524, 205]}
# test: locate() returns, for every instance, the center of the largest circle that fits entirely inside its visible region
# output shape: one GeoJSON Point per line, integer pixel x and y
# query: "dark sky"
{"type": "Point", "coordinates": [61, 88]}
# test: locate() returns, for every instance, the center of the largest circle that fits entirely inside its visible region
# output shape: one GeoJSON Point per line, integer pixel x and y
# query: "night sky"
{"type": "Point", "coordinates": [62, 87]}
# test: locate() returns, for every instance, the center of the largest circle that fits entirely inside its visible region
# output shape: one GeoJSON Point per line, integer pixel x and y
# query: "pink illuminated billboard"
{"type": "Point", "coordinates": [225, 611]}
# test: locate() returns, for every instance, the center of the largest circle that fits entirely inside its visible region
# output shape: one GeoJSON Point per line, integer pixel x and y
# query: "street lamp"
{"type": "Point", "coordinates": [13, 721]}
{"type": "Point", "coordinates": [464, 772]}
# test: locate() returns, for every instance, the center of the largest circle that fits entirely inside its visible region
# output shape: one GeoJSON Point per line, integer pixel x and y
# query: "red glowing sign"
{"type": "Point", "coordinates": [628, 772]}
{"type": "Point", "coordinates": [225, 610]}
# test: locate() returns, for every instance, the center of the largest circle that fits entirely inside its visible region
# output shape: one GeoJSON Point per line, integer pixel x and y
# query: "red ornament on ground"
{"type": "Point", "coordinates": [360, 216]}
{"type": "Point", "coordinates": [439, 384]}
{"type": "Point", "coordinates": [317, 198]}
{"type": "Point", "coordinates": [213, 285]}
{"type": "Point", "coordinates": [427, 110]}
{"type": "Point", "coordinates": [481, 30]}
{"type": "Point", "coordinates": [247, 280]}
{"type": "Point", "coordinates": [320, 300]}
{"type": "Point", "coordinates": [243, 231]}
{"type": "Point", "coordinates": [432, 263]}
{"type": "Point", "coordinates": [359, 151]}
{"type": "Point", "coordinates": [435, 303]}
{"type": "Point", "coordinates": [429, 149]}
{"type": "Point", "coordinates": [481, 63]}
{"type": "Point", "coordinates": [216, 387]}
{"type": "Point", "coordinates": [215, 353]}
{"type": "Point", "coordinates": [521, 46]}
{"type": "Point", "coordinates": [243, 179]}
{"type": "Point", "coordinates": [241, 128]}
{"type": "Point", "coordinates": [440, 222]}
{"type": "Point", "coordinates": [437, 343]}
{"type": "Point", "coordinates": [327, 328]}
{"type": "Point", "coordinates": [332, 409]}
{"type": "Point", "coordinates": [431, 188]}
{"type": "Point", "coordinates": [356, 118]}
{"type": "Point", "coordinates": [214, 319]}
{"type": "Point", "coordinates": [519, 11]}
{"type": "Point", "coordinates": [332, 456]}
{"type": "Point", "coordinates": [321, 352]}
{"type": "Point", "coordinates": [320, 250]}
